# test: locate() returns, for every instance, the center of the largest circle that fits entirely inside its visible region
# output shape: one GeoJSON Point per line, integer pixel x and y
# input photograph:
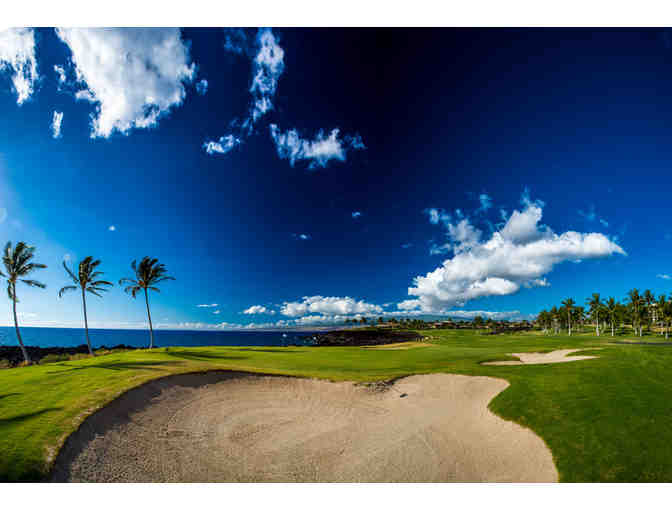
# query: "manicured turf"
{"type": "Point", "coordinates": [606, 419]}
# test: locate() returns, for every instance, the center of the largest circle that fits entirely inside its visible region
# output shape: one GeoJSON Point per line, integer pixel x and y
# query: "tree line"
{"type": "Point", "coordinates": [18, 262]}
{"type": "Point", "coordinates": [638, 310]}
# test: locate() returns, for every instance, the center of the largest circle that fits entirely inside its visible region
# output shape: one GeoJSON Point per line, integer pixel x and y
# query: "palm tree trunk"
{"type": "Point", "coordinates": [16, 325]}
{"type": "Point", "coordinates": [86, 324]}
{"type": "Point", "coordinates": [149, 316]}
{"type": "Point", "coordinates": [612, 328]}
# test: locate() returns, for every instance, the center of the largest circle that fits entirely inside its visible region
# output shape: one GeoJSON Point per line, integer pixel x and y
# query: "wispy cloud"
{"type": "Point", "coordinates": [60, 71]}
{"type": "Point", "coordinates": [133, 76]}
{"type": "Point", "coordinates": [112, 228]}
{"type": "Point", "coordinates": [269, 64]}
{"type": "Point", "coordinates": [213, 305]}
{"type": "Point", "coordinates": [664, 276]}
{"type": "Point", "coordinates": [225, 144]}
{"type": "Point", "coordinates": [202, 87]}
{"type": "Point", "coordinates": [405, 246]}
{"type": "Point", "coordinates": [356, 214]}
{"type": "Point", "coordinates": [258, 309]}
{"type": "Point", "coordinates": [17, 56]}
{"type": "Point", "coordinates": [591, 215]}
{"type": "Point", "coordinates": [301, 237]}
{"type": "Point", "coordinates": [56, 122]}
{"type": "Point", "coordinates": [318, 151]}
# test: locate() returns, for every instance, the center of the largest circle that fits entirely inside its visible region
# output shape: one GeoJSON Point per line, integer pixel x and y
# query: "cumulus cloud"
{"type": "Point", "coordinates": [56, 124]}
{"type": "Point", "coordinates": [318, 151]}
{"type": "Point", "coordinates": [133, 76]}
{"type": "Point", "coordinates": [519, 254]}
{"type": "Point", "coordinates": [258, 309]}
{"type": "Point", "coordinates": [213, 305]}
{"type": "Point", "coordinates": [202, 87]}
{"type": "Point", "coordinates": [328, 306]}
{"type": "Point", "coordinates": [17, 57]}
{"type": "Point", "coordinates": [225, 144]}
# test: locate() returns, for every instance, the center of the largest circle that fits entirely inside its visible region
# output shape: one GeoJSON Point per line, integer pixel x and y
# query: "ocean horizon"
{"type": "Point", "coordinates": [72, 337]}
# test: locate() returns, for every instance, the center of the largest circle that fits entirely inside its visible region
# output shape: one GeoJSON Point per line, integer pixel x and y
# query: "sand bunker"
{"type": "Point", "coordinates": [541, 358]}
{"type": "Point", "coordinates": [232, 427]}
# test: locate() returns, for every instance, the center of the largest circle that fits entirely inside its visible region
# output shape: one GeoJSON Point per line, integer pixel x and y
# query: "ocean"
{"type": "Point", "coordinates": [67, 337]}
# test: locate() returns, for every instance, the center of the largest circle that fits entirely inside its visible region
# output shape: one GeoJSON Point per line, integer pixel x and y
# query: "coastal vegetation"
{"type": "Point", "coordinates": [148, 274]}
{"type": "Point", "coordinates": [85, 280]}
{"type": "Point", "coordinates": [577, 408]}
{"type": "Point", "coordinates": [18, 266]}
{"type": "Point", "coordinates": [638, 312]}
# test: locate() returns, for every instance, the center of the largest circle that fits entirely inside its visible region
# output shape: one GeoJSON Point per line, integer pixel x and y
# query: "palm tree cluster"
{"type": "Point", "coordinates": [638, 310]}
{"type": "Point", "coordinates": [18, 265]}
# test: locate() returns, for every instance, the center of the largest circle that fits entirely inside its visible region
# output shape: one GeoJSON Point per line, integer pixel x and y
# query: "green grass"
{"type": "Point", "coordinates": [606, 419]}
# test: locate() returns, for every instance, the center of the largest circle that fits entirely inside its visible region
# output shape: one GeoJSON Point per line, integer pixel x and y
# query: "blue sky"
{"type": "Point", "coordinates": [310, 175]}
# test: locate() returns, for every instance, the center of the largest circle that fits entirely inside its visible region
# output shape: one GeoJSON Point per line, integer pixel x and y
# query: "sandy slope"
{"type": "Point", "coordinates": [540, 358]}
{"type": "Point", "coordinates": [240, 427]}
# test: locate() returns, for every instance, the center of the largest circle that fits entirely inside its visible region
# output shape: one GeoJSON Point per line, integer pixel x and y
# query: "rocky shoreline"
{"type": "Point", "coordinates": [361, 337]}
{"type": "Point", "coordinates": [12, 355]}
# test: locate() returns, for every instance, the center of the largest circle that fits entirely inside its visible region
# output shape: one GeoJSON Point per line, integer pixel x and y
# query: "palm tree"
{"type": "Point", "coordinates": [86, 281]}
{"type": "Point", "coordinates": [595, 304]}
{"type": "Point", "coordinates": [147, 275]}
{"type": "Point", "coordinates": [569, 307]}
{"type": "Point", "coordinates": [612, 310]}
{"type": "Point", "coordinates": [17, 265]}
{"type": "Point", "coordinates": [636, 306]}
{"type": "Point", "coordinates": [650, 300]}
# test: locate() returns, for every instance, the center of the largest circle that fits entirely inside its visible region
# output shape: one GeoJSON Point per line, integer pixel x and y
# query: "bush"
{"type": "Point", "coordinates": [53, 358]}
{"type": "Point", "coordinates": [75, 357]}
{"type": "Point", "coordinates": [4, 363]}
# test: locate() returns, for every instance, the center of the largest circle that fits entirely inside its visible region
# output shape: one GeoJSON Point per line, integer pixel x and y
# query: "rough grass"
{"type": "Point", "coordinates": [605, 419]}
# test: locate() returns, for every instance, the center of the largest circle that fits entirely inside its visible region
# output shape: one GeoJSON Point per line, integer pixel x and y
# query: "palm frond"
{"type": "Point", "coordinates": [94, 292]}
{"type": "Point", "coordinates": [34, 283]}
{"type": "Point", "coordinates": [70, 273]}
{"type": "Point", "coordinates": [65, 289]}
{"type": "Point", "coordinates": [128, 280]}
{"type": "Point", "coordinates": [154, 289]}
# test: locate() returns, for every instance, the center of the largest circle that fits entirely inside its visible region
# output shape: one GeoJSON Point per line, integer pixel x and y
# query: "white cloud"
{"type": "Point", "coordinates": [485, 201]}
{"type": "Point", "coordinates": [356, 214]}
{"type": "Point", "coordinates": [213, 305]}
{"type": "Point", "coordinates": [235, 40]}
{"type": "Point", "coordinates": [225, 144]}
{"type": "Point", "coordinates": [301, 237]}
{"type": "Point", "coordinates": [61, 73]}
{"type": "Point", "coordinates": [439, 249]}
{"type": "Point", "coordinates": [56, 124]}
{"type": "Point", "coordinates": [17, 55]}
{"type": "Point", "coordinates": [111, 228]}
{"type": "Point", "coordinates": [268, 66]}
{"type": "Point", "coordinates": [202, 87]}
{"type": "Point", "coordinates": [258, 309]}
{"type": "Point", "coordinates": [318, 151]}
{"type": "Point", "coordinates": [328, 305]}
{"type": "Point", "coordinates": [664, 276]}
{"type": "Point", "coordinates": [132, 75]}
{"type": "Point", "coordinates": [519, 254]}
{"type": "Point", "coordinates": [216, 312]}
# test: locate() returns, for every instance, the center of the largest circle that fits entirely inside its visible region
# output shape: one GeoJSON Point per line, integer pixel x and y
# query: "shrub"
{"type": "Point", "coordinates": [53, 358]}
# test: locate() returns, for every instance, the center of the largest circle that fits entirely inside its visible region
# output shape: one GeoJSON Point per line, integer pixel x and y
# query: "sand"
{"type": "Point", "coordinates": [542, 358]}
{"type": "Point", "coordinates": [234, 427]}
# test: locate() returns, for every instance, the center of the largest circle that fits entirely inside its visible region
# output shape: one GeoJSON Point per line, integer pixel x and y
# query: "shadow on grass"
{"type": "Point", "coordinates": [26, 416]}
{"type": "Point", "coordinates": [278, 350]}
{"type": "Point", "coordinates": [117, 365]}
{"type": "Point", "coordinates": [201, 356]}
{"type": "Point", "coordinates": [8, 395]}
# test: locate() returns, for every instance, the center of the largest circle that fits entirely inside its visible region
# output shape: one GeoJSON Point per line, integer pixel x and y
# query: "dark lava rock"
{"type": "Point", "coordinates": [359, 337]}
{"type": "Point", "coordinates": [13, 353]}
